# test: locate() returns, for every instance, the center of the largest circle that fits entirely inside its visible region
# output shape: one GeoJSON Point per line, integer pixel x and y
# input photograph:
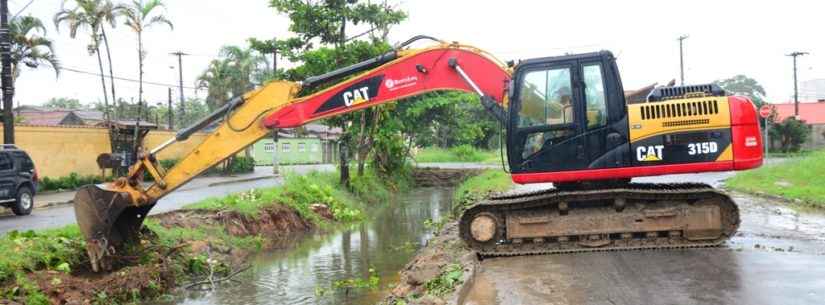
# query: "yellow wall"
{"type": "Point", "coordinates": [59, 151]}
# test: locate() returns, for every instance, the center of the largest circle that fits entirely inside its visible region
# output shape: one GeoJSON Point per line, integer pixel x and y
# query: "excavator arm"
{"type": "Point", "coordinates": [111, 215]}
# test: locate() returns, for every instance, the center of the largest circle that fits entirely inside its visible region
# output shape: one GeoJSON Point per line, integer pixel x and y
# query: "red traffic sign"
{"type": "Point", "coordinates": [765, 111]}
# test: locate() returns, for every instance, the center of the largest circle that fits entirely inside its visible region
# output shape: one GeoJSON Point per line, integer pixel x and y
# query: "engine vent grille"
{"type": "Point", "coordinates": [678, 110]}
{"type": "Point", "coordinates": [685, 123]}
{"type": "Point", "coordinates": [669, 93]}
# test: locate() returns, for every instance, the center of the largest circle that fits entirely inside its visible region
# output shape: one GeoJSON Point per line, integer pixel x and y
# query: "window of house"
{"type": "Point", "coordinates": [269, 147]}
{"type": "Point", "coordinates": [302, 147]}
{"type": "Point", "coordinates": [314, 147]}
{"type": "Point", "coordinates": [285, 147]}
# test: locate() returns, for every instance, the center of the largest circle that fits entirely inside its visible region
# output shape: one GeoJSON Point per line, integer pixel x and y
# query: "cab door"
{"type": "Point", "coordinates": [546, 119]}
{"type": "Point", "coordinates": [604, 116]}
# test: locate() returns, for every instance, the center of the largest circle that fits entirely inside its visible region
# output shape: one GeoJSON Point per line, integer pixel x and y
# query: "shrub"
{"type": "Point", "coordinates": [467, 153]}
{"type": "Point", "coordinates": [240, 165]}
{"type": "Point", "coordinates": [70, 182]}
{"type": "Point", "coordinates": [792, 133]}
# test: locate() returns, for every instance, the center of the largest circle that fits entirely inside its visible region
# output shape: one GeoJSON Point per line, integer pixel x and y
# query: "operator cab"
{"type": "Point", "coordinates": [567, 113]}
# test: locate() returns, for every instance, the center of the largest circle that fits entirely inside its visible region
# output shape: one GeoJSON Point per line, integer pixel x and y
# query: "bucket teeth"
{"type": "Point", "coordinates": [108, 221]}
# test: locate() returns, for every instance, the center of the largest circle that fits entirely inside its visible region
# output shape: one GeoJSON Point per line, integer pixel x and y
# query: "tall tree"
{"type": "Point", "coordinates": [237, 71]}
{"type": "Point", "coordinates": [326, 22]}
{"type": "Point", "coordinates": [141, 15]}
{"type": "Point", "coordinates": [744, 85]}
{"type": "Point", "coordinates": [63, 103]}
{"type": "Point", "coordinates": [29, 46]}
{"type": "Point", "coordinates": [91, 15]}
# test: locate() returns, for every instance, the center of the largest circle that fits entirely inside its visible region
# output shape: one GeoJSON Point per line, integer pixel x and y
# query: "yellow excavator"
{"type": "Point", "coordinates": [566, 122]}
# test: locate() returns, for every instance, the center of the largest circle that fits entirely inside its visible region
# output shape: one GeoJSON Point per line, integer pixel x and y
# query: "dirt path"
{"type": "Point", "coordinates": [778, 257]}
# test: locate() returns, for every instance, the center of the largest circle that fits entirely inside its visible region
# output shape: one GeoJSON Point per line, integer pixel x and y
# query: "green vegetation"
{"type": "Point", "coordinates": [28, 251]}
{"type": "Point", "coordinates": [480, 186]}
{"type": "Point", "coordinates": [798, 179]}
{"type": "Point", "coordinates": [298, 192]}
{"type": "Point", "coordinates": [791, 133]}
{"type": "Point", "coordinates": [70, 182]}
{"type": "Point", "coordinates": [462, 153]}
{"type": "Point", "coordinates": [239, 165]}
{"type": "Point", "coordinates": [446, 281]}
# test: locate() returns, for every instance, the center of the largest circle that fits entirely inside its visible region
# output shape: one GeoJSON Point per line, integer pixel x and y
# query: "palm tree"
{"type": "Point", "coordinates": [217, 79]}
{"type": "Point", "coordinates": [231, 75]}
{"type": "Point", "coordinates": [93, 14]}
{"type": "Point", "coordinates": [29, 46]}
{"type": "Point", "coordinates": [140, 16]}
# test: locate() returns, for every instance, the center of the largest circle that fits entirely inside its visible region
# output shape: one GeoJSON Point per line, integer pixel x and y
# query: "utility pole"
{"type": "Point", "coordinates": [180, 55]}
{"type": "Point", "coordinates": [5, 74]}
{"type": "Point", "coordinates": [169, 115]}
{"type": "Point", "coordinates": [682, 58]}
{"type": "Point", "coordinates": [796, 54]}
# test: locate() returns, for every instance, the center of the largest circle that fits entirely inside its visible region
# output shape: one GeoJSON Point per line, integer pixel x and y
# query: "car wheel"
{"type": "Point", "coordinates": [24, 203]}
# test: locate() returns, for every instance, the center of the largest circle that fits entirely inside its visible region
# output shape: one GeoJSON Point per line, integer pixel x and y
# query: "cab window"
{"type": "Point", "coordinates": [596, 103]}
{"type": "Point", "coordinates": [546, 98]}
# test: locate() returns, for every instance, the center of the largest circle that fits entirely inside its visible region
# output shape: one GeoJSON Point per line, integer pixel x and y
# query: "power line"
{"type": "Point", "coordinates": [123, 78]}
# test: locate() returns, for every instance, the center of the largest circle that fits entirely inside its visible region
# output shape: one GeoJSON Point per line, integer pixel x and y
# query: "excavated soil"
{"type": "Point", "coordinates": [442, 177]}
{"type": "Point", "coordinates": [443, 250]}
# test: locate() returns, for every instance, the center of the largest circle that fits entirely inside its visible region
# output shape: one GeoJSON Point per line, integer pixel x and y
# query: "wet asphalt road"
{"type": "Point", "coordinates": [777, 257]}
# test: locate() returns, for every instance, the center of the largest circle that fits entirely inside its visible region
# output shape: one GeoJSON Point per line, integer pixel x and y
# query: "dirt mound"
{"type": "Point", "coordinates": [441, 177]}
{"type": "Point", "coordinates": [124, 285]}
{"type": "Point", "coordinates": [273, 221]}
{"type": "Point", "coordinates": [426, 278]}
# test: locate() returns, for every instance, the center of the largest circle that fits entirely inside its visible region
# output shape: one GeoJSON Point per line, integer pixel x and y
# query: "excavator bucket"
{"type": "Point", "coordinates": [108, 221]}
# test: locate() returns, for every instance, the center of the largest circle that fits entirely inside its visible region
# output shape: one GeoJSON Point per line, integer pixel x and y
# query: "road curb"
{"type": "Point", "coordinates": [219, 183]}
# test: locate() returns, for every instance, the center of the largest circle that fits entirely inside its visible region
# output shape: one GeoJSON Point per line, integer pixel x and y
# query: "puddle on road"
{"type": "Point", "coordinates": [305, 273]}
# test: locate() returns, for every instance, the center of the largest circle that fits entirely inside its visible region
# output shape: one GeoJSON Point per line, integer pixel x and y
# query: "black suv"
{"type": "Point", "coordinates": [18, 180]}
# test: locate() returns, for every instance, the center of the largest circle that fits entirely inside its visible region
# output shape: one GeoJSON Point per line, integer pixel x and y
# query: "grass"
{"type": "Point", "coordinates": [778, 154]}
{"type": "Point", "coordinates": [58, 249]}
{"type": "Point", "coordinates": [477, 187]}
{"type": "Point", "coordinates": [799, 178]}
{"type": "Point", "coordinates": [297, 192]}
{"type": "Point", "coordinates": [445, 282]}
{"type": "Point", "coordinates": [301, 191]}
{"type": "Point", "coordinates": [463, 153]}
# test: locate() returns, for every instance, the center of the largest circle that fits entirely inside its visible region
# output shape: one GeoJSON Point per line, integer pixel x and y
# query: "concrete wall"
{"type": "Point", "coordinates": [816, 139]}
{"type": "Point", "coordinates": [59, 151]}
{"type": "Point", "coordinates": [289, 151]}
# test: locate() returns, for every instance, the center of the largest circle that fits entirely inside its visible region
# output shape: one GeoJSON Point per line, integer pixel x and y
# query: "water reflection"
{"type": "Point", "coordinates": [304, 273]}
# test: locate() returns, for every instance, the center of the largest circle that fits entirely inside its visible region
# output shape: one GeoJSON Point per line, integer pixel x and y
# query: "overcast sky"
{"type": "Point", "coordinates": [726, 38]}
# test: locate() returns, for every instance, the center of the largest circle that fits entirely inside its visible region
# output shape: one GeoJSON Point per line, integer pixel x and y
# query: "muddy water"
{"type": "Point", "coordinates": [305, 272]}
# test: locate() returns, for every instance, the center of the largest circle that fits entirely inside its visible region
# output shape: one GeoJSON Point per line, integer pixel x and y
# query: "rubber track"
{"type": "Point", "coordinates": [660, 193]}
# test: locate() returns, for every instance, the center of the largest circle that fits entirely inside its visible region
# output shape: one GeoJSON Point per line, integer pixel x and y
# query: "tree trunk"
{"type": "Point", "coordinates": [111, 71]}
{"type": "Point", "coordinates": [103, 83]}
{"type": "Point", "coordinates": [140, 93]}
{"type": "Point", "coordinates": [362, 137]}
{"type": "Point", "coordinates": [343, 158]}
